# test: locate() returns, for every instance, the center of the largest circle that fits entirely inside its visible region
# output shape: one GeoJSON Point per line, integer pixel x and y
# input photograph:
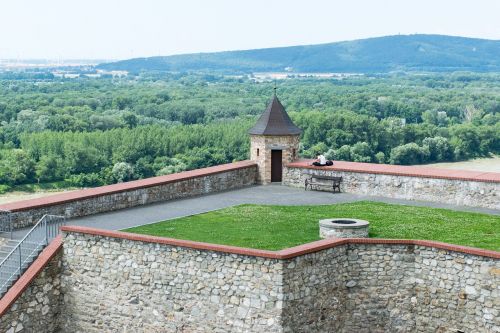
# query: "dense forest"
{"type": "Point", "coordinates": [89, 132]}
{"type": "Point", "coordinates": [372, 55]}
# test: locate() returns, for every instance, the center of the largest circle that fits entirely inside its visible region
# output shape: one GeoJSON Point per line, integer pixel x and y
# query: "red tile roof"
{"type": "Point", "coordinates": [122, 187]}
{"type": "Point", "coordinates": [402, 170]}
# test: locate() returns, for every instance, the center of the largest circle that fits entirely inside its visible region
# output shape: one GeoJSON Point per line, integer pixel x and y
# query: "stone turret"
{"type": "Point", "coordinates": [274, 140]}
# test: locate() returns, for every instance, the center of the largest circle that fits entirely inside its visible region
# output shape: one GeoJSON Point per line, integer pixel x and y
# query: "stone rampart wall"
{"type": "Point", "coordinates": [113, 281]}
{"type": "Point", "coordinates": [136, 193]}
{"type": "Point", "coordinates": [455, 292]}
{"type": "Point", "coordinates": [450, 191]}
{"type": "Point", "coordinates": [33, 303]}
{"type": "Point", "coordinates": [117, 285]}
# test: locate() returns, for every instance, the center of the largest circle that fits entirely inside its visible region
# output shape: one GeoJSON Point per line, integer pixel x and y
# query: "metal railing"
{"type": "Point", "coordinates": [27, 250]}
{"type": "Point", "coordinates": [6, 222]}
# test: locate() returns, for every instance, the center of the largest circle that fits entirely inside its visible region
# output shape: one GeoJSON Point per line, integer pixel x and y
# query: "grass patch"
{"type": "Point", "coordinates": [280, 227]}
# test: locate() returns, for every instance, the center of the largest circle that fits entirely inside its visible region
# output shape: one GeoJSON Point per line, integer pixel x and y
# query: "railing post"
{"type": "Point", "coordinates": [20, 259]}
{"type": "Point", "coordinates": [46, 229]}
{"type": "Point", "coordinates": [10, 225]}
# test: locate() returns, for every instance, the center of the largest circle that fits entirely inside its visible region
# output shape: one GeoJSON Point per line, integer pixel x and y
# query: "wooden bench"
{"type": "Point", "coordinates": [316, 181]}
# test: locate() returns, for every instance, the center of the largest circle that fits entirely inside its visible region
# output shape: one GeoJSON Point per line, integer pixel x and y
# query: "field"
{"type": "Point", "coordinates": [479, 164]}
{"type": "Point", "coordinates": [279, 227]}
{"type": "Point", "coordinates": [20, 195]}
{"type": "Point", "coordinates": [32, 191]}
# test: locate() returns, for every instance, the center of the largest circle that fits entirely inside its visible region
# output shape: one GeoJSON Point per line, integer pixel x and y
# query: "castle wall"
{"type": "Point", "coordinates": [135, 193]}
{"type": "Point", "coordinates": [115, 281]}
{"type": "Point", "coordinates": [426, 187]}
{"type": "Point", "coordinates": [33, 303]}
{"type": "Point", "coordinates": [120, 285]}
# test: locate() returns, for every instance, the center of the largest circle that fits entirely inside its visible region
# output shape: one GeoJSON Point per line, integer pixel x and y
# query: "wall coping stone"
{"type": "Point", "coordinates": [402, 170]}
{"type": "Point", "coordinates": [288, 253]}
{"type": "Point", "coordinates": [122, 187]}
{"type": "Point", "coordinates": [30, 274]}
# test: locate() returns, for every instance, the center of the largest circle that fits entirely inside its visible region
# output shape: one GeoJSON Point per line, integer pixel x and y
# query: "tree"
{"type": "Point", "coordinates": [408, 154]}
{"type": "Point", "coordinates": [16, 167]}
{"type": "Point", "coordinates": [123, 172]}
{"type": "Point", "coordinates": [465, 141]}
{"type": "Point", "coordinates": [49, 168]}
{"type": "Point", "coordinates": [439, 149]}
{"type": "Point", "coordinates": [380, 157]}
{"type": "Point", "coordinates": [130, 120]}
{"type": "Point", "coordinates": [343, 153]}
{"type": "Point", "coordinates": [361, 152]}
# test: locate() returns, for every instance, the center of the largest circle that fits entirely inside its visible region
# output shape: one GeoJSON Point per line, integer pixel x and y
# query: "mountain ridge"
{"type": "Point", "coordinates": [419, 52]}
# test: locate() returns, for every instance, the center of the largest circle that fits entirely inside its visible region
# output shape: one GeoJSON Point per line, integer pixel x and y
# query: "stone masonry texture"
{"type": "Point", "coordinates": [113, 285]}
{"type": "Point", "coordinates": [108, 284]}
{"type": "Point", "coordinates": [140, 196]}
{"type": "Point", "coordinates": [38, 308]}
{"type": "Point", "coordinates": [450, 191]}
{"type": "Point", "coordinates": [288, 144]}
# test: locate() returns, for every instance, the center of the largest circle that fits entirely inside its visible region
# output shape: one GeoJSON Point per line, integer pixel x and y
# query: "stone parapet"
{"type": "Point", "coordinates": [134, 193]}
{"type": "Point", "coordinates": [467, 188]}
{"type": "Point", "coordinates": [33, 303]}
{"type": "Point", "coordinates": [109, 281]}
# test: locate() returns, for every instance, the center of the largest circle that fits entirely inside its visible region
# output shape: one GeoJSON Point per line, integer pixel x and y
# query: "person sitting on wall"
{"type": "Point", "coordinates": [321, 161]}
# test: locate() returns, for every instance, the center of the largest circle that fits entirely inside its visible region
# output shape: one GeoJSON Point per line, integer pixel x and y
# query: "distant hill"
{"type": "Point", "coordinates": [381, 54]}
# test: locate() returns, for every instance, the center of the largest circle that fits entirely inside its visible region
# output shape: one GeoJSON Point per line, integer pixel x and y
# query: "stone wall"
{"type": "Point", "coordinates": [109, 281]}
{"type": "Point", "coordinates": [261, 147]}
{"type": "Point", "coordinates": [455, 292]}
{"type": "Point", "coordinates": [450, 191]}
{"type": "Point", "coordinates": [314, 291]}
{"type": "Point", "coordinates": [391, 288]}
{"type": "Point", "coordinates": [119, 285]}
{"type": "Point", "coordinates": [131, 194]}
{"type": "Point", "coordinates": [37, 308]}
{"type": "Point", "coordinates": [350, 288]}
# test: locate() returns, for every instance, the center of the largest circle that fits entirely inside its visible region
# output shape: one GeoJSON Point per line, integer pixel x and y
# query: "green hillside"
{"type": "Point", "coordinates": [382, 54]}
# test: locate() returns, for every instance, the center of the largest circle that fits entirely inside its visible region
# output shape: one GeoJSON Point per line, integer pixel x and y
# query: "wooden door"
{"type": "Point", "coordinates": [276, 165]}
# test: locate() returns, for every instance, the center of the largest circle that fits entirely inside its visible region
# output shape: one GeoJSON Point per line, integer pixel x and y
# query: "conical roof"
{"type": "Point", "coordinates": [275, 121]}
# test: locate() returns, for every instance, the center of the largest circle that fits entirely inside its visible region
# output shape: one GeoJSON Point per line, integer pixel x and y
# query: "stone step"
{"type": "Point", "coordinates": [9, 272]}
{"type": "Point", "coordinates": [26, 248]}
{"type": "Point", "coordinates": [7, 286]}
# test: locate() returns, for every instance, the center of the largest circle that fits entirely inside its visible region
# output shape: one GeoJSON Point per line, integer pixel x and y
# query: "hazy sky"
{"type": "Point", "coordinates": [117, 29]}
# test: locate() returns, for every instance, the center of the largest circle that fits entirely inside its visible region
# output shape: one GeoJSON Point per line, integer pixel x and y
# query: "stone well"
{"type": "Point", "coordinates": [343, 228]}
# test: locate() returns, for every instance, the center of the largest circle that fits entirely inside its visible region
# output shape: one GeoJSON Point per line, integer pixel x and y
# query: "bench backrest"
{"type": "Point", "coordinates": [337, 179]}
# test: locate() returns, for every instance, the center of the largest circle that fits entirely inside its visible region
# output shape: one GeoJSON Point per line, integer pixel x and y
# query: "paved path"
{"type": "Point", "coordinates": [269, 194]}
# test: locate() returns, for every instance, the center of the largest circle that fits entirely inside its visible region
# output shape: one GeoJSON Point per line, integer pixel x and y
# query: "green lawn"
{"type": "Point", "coordinates": [279, 227]}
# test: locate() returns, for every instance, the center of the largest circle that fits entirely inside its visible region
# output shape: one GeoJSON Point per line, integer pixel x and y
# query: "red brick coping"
{"type": "Point", "coordinates": [31, 273]}
{"type": "Point", "coordinates": [281, 254]}
{"type": "Point", "coordinates": [402, 170]}
{"type": "Point", "coordinates": [122, 187]}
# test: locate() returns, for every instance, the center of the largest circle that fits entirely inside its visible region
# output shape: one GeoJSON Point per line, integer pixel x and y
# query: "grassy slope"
{"type": "Point", "coordinates": [279, 227]}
